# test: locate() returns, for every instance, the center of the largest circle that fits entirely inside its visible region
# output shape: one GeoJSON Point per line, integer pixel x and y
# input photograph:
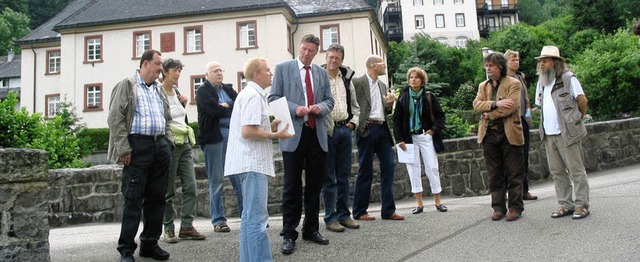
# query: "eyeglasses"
{"type": "Point", "coordinates": [380, 63]}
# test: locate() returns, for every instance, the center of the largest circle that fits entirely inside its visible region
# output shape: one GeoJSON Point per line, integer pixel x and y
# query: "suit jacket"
{"type": "Point", "coordinates": [509, 88]}
{"type": "Point", "coordinates": [363, 95]}
{"type": "Point", "coordinates": [287, 83]}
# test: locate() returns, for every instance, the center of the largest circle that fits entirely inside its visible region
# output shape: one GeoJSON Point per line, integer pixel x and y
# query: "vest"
{"type": "Point", "coordinates": [569, 117]}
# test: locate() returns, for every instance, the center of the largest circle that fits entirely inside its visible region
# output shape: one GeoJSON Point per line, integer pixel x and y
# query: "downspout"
{"type": "Point", "coordinates": [34, 79]}
{"type": "Point", "coordinates": [293, 56]}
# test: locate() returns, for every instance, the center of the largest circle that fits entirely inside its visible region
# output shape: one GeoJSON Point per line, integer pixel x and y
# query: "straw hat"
{"type": "Point", "coordinates": [550, 51]}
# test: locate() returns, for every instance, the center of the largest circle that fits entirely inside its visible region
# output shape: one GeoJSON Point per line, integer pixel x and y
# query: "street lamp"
{"type": "Point", "coordinates": [485, 51]}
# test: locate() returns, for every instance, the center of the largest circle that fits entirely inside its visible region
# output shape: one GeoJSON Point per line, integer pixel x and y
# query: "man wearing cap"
{"type": "Point", "coordinates": [563, 104]}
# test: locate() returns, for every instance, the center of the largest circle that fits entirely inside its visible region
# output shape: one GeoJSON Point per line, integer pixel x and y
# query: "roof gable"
{"type": "Point", "coordinates": [10, 69]}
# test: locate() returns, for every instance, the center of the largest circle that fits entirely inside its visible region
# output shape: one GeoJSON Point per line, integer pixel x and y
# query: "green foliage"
{"type": "Point", "coordinates": [601, 15]}
{"type": "Point", "coordinates": [532, 12]}
{"type": "Point", "coordinates": [609, 71]}
{"type": "Point", "coordinates": [196, 131]}
{"type": "Point", "coordinates": [398, 53]}
{"type": "Point", "coordinates": [456, 126]}
{"type": "Point", "coordinates": [95, 138]}
{"type": "Point", "coordinates": [13, 26]}
{"type": "Point", "coordinates": [58, 136]}
{"type": "Point", "coordinates": [525, 39]}
{"type": "Point", "coordinates": [463, 98]}
{"type": "Point", "coordinates": [17, 127]}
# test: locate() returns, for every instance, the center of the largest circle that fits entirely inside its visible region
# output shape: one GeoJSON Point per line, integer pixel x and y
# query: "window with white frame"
{"type": "Point", "coordinates": [93, 97]}
{"type": "Point", "coordinates": [196, 82]}
{"type": "Point", "coordinates": [247, 34]}
{"type": "Point", "coordinates": [443, 40]}
{"type": "Point", "coordinates": [93, 48]}
{"type": "Point", "coordinates": [506, 21]}
{"type": "Point", "coordinates": [330, 35]}
{"type": "Point", "coordinates": [419, 21]}
{"type": "Point", "coordinates": [418, 3]}
{"type": "Point", "coordinates": [438, 2]}
{"type": "Point", "coordinates": [141, 43]}
{"type": "Point", "coordinates": [53, 58]}
{"type": "Point", "coordinates": [53, 105]}
{"type": "Point", "coordinates": [458, 2]}
{"type": "Point", "coordinates": [505, 3]}
{"type": "Point", "coordinates": [461, 42]}
{"type": "Point", "coordinates": [193, 39]}
{"type": "Point", "coordinates": [460, 20]}
{"type": "Point", "coordinates": [440, 21]}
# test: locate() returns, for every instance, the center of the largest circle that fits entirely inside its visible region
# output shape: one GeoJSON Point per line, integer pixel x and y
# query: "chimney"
{"type": "Point", "coordinates": [10, 55]}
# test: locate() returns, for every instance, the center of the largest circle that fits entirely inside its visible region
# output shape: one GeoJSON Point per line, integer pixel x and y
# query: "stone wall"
{"type": "Point", "coordinates": [24, 230]}
{"type": "Point", "coordinates": [93, 194]}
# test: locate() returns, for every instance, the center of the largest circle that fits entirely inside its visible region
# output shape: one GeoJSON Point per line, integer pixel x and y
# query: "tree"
{"type": "Point", "coordinates": [18, 6]}
{"type": "Point", "coordinates": [532, 12]}
{"type": "Point", "coordinates": [40, 11]}
{"type": "Point", "coordinates": [601, 15]}
{"type": "Point", "coordinates": [609, 71]}
{"type": "Point", "coordinates": [398, 52]}
{"type": "Point", "coordinates": [13, 26]}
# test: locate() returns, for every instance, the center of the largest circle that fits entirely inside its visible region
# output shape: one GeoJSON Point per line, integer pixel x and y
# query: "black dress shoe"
{"type": "Point", "coordinates": [127, 257]}
{"type": "Point", "coordinates": [417, 210]}
{"type": "Point", "coordinates": [316, 238]}
{"type": "Point", "coordinates": [288, 245]}
{"type": "Point", "coordinates": [442, 208]}
{"type": "Point", "coordinates": [155, 252]}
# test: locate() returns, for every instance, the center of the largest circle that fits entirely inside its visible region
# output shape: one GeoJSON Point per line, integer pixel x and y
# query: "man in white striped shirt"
{"type": "Point", "coordinates": [250, 153]}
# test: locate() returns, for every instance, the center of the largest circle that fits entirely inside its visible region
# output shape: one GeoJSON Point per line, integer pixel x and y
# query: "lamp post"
{"type": "Point", "coordinates": [485, 51]}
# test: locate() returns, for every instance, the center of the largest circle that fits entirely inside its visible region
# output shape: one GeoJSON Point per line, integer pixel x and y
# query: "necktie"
{"type": "Point", "coordinates": [307, 80]}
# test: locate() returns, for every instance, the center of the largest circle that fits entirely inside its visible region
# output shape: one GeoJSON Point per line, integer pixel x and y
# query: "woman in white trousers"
{"type": "Point", "coordinates": [418, 119]}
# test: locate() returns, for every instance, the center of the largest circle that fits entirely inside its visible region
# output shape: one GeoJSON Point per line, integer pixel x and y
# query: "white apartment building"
{"type": "Point", "coordinates": [80, 55]}
{"type": "Point", "coordinates": [451, 22]}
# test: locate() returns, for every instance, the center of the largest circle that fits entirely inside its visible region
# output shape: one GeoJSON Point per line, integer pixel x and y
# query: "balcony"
{"type": "Point", "coordinates": [392, 13]}
{"type": "Point", "coordinates": [394, 34]}
{"type": "Point", "coordinates": [496, 9]}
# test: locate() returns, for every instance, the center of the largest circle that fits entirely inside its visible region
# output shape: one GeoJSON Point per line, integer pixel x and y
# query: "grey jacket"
{"type": "Point", "coordinates": [569, 117]}
{"type": "Point", "coordinates": [121, 107]}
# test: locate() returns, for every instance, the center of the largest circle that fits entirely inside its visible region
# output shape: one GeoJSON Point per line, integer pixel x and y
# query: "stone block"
{"type": "Point", "coordinates": [25, 251]}
{"type": "Point", "coordinates": [23, 165]}
{"type": "Point", "coordinates": [111, 188]}
{"type": "Point", "coordinates": [29, 225]}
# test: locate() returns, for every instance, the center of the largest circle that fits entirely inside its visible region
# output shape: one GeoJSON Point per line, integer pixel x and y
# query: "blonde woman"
{"type": "Point", "coordinates": [418, 120]}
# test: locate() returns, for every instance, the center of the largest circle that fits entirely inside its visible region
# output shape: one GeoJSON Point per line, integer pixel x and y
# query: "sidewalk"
{"type": "Point", "coordinates": [465, 233]}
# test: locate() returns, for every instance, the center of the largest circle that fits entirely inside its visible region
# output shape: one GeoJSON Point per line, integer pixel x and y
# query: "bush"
{"type": "Point", "coordinates": [96, 139]}
{"type": "Point", "coordinates": [58, 136]}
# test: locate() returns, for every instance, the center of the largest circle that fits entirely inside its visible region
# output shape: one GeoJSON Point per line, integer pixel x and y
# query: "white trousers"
{"type": "Point", "coordinates": [423, 145]}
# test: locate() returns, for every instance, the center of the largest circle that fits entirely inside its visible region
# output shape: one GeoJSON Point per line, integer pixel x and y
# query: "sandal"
{"type": "Point", "coordinates": [417, 210]}
{"type": "Point", "coordinates": [561, 212]}
{"type": "Point", "coordinates": [581, 212]}
{"type": "Point", "coordinates": [223, 228]}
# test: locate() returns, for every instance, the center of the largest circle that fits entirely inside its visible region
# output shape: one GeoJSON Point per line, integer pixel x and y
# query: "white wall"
{"type": "Point", "coordinates": [449, 10]}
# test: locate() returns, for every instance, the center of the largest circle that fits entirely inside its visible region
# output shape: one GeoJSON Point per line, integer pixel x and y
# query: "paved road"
{"type": "Point", "coordinates": [465, 233]}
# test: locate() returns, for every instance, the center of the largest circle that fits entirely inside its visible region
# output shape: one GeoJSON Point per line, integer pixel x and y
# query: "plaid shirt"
{"type": "Point", "coordinates": [148, 116]}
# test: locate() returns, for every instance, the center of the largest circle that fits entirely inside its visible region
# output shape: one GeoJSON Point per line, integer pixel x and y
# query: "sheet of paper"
{"type": "Point", "coordinates": [280, 110]}
{"type": "Point", "coordinates": [405, 156]}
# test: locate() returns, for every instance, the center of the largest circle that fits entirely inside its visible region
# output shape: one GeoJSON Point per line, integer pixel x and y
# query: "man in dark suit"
{"type": "Point", "coordinates": [308, 92]}
{"type": "Point", "coordinates": [374, 137]}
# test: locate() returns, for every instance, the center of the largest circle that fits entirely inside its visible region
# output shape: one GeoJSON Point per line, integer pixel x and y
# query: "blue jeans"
{"type": "Point", "coordinates": [254, 239]}
{"type": "Point", "coordinates": [235, 180]}
{"type": "Point", "coordinates": [335, 191]}
{"type": "Point", "coordinates": [214, 163]}
{"type": "Point", "coordinates": [377, 142]}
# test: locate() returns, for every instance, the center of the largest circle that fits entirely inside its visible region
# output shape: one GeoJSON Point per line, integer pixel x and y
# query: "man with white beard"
{"type": "Point", "coordinates": [563, 104]}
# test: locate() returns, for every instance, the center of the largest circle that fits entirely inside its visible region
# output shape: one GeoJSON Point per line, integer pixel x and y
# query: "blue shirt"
{"type": "Point", "coordinates": [223, 97]}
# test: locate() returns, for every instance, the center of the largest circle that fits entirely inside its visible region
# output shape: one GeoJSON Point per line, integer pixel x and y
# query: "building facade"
{"type": "Point", "coordinates": [493, 15]}
{"type": "Point", "coordinates": [81, 54]}
{"type": "Point", "coordinates": [9, 74]}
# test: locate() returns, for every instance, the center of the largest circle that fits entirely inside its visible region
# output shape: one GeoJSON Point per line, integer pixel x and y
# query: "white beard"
{"type": "Point", "coordinates": [546, 76]}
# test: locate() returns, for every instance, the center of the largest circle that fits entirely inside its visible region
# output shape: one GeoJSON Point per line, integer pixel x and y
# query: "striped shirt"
{"type": "Point", "coordinates": [148, 116]}
{"type": "Point", "coordinates": [339, 93]}
{"type": "Point", "coordinates": [249, 155]}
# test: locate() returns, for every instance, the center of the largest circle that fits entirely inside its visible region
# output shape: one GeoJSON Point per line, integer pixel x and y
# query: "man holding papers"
{"type": "Point", "coordinates": [308, 93]}
{"type": "Point", "coordinates": [418, 120]}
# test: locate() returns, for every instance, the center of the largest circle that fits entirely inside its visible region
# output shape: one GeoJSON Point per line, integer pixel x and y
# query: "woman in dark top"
{"type": "Point", "coordinates": [418, 120]}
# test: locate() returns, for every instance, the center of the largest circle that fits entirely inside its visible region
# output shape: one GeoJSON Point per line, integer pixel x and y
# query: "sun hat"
{"type": "Point", "coordinates": [550, 51]}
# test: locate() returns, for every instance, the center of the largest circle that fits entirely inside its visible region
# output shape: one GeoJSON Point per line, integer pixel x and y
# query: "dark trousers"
{"type": "Point", "coordinates": [377, 142]}
{"type": "Point", "coordinates": [504, 163]}
{"type": "Point", "coordinates": [527, 140]}
{"type": "Point", "coordinates": [144, 184]}
{"type": "Point", "coordinates": [309, 157]}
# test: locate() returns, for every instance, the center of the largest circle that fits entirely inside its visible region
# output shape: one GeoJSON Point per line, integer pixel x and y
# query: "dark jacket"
{"type": "Point", "coordinates": [347, 75]}
{"type": "Point", "coordinates": [401, 129]}
{"type": "Point", "coordinates": [210, 112]}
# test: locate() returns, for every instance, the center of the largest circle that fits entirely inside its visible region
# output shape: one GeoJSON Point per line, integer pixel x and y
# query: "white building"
{"type": "Point", "coordinates": [451, 22]}
{"type": "Point", "coordinates": [85, 50]}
